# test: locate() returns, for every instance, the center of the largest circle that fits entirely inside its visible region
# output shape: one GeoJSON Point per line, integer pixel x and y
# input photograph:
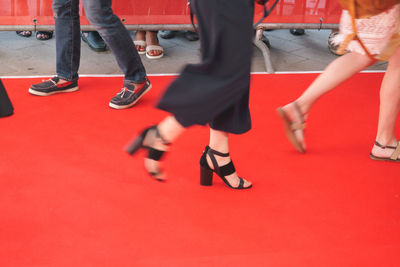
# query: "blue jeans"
{"type": "Point", "coordinates": [108, 25]}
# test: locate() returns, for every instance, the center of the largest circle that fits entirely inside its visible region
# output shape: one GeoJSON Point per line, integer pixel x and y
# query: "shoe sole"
{"type": "Point", "coordinates": [382, 158]}
{"type": "Point", "coordinates": [131, 104]}
{"type": "Point", "coordinates": [34, 92]}
{"type": "Point", "coordinates": [154, 57]}
{"type": "Point", "coordinates": [289, 132]}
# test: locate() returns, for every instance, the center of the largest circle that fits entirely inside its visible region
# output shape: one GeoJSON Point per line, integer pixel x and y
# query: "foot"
{"type": "Point", "coordinates": [43, 36]}
{"type": "Point", "coordinates": [140, 42]}
{"type": "Point", "coordinates": [294, 122]}
{"type": "Point", "coordinates": [386, 151]}
{"type": "Point", "coordinates": [233, 178]}
{"type": "Point", "coordinates": [24, 33]}
{"type": "Point", "coordinates": [153, 49]}
{"type": "Point", "coordinates": [53, 86]}
{"type": "Point", "coordinates": [154, 141]}
{"type": "Point", "coordinates": [150, 139]}
{"type": "Point", "coordinates": [130, 94]}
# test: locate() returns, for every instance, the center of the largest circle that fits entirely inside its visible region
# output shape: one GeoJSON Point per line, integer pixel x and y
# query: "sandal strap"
{"type": "Point", "coordinates": [297, 126]}
{"type": "Point", "coordinates": [140, 42]}
{"type": "Point", "coordinates": [227, 169]}
{"type": "Point", "coordinates": [217, 152]}
{"type": "Point", "coordinates": [296, 106]}
{"type": "Point", "coordinates": [211, 152]}
{"type": "Point", "coordinates": [154, 47]}
{"type": "Point", "coordinates": [155, 154]}
{"type": "Point", "coordinates": [383, 147]}
{"type": "Point", "coordinates": [158, 135]}
{"type": "Point", "coordinates": [241, 183]}
{"type": "Point", "coordinates": [396, 152]}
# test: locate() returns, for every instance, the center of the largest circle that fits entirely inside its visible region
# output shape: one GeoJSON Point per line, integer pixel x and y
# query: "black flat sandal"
{"type": "Point", "coordinates": [46, 35]}
{"type": "Point", "coordinates": [153, 153]}
{"type": "Point", "coordinates": [25, 34]}
{"type": "Point", "coordinates": [206, 173]}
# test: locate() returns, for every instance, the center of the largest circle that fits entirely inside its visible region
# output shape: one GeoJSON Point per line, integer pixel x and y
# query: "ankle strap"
{"type": "Point", "coordinates": [158, 135]}
{"type": "Point", "coordinates": [215, 152]}
{"type": "Point", "coordinates": [297, 107]}
{"type": "Point", "coordinates": [224, 170]}
{"type": "Point", "coordinates": [383, 147]}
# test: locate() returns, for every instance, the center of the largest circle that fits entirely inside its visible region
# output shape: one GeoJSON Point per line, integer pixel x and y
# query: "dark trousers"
{"type": "Point", "coordinates": [109, 26]}
{"type": "Point", "coordinates": [216, 91]}
{"type": "Point", "coordinates": [6, 108]}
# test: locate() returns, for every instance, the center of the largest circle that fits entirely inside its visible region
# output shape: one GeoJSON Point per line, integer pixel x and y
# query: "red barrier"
{"type": "Point", "coordinates": [161, 12]}
{"type": "Point", "coordinates": [303, 11]}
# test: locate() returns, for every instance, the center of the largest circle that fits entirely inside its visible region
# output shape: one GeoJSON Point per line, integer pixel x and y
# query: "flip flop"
{"type": "Point", "coordinates": [394, 157]}
{"type": "Point", "coordinates": [46, 35]}
{"type": "Point", "coordinates": [154, 47]}
{"type": "Point", "coordinates": [141, 44]}
{"type": "Point", "coordinates": [291, 128]}
{"type": "Point", "coordinates": [21, 33]}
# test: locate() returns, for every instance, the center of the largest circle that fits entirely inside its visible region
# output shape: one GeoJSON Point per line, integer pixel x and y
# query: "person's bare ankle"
{"type": "Point", "coordinates": [384, 141]}
{"type": "Point", "coordinates": [61, 81]}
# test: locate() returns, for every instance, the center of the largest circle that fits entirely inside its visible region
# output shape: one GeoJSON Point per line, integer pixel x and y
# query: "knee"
{"type": "Point", "coordinates": [99, 16]}
{"type": "Point", "coordinates": [66, 9]}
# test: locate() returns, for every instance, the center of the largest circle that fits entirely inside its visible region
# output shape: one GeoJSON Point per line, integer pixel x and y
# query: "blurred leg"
{"type": "Point", "coordinates": [389, 107]}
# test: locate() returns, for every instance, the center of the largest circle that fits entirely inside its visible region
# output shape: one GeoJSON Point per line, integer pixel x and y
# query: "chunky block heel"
{"type": "Point", "coordinates": [206, 176]}
{"type": "Point", "coordinates": [137, 143]}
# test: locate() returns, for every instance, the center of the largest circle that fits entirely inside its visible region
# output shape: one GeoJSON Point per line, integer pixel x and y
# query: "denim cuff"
{"type": "Point", "coordinates": [68, 79]}
{"type": "Point", "coordinates": [135, 82]}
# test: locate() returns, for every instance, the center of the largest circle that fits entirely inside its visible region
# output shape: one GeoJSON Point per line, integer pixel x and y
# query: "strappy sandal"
{"type": "Point", "coordinates": [45, 35]}
{"type": "Point", "coordinates": [155, 48]}
{"type": "Point", "coordinates": [394, 157]}
{"type": "Point", "coordinates": [142, 46]}
{"type": "Point", "coordinates": [206, 173]}
{"type": "Point", "coordinates": [291, 127]}
{"type": "Point", "coordinates": [25, 34]}
{"type": "Point", "coordinates": [152, 153]}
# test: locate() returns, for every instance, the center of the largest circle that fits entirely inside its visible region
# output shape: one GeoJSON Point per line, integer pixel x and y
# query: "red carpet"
{"type": "Point", "coordinates": [70, 196]}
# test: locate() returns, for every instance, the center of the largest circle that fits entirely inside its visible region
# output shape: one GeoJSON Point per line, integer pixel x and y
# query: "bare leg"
{"type": "Point", "coordinates": [219, 142]}
{"type": "Point", "coordinates": [389, 107]}
{"type": "Point", "coordinates": [336, 73]}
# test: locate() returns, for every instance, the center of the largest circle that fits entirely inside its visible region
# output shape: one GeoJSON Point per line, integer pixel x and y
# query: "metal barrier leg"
{"type": "Point", "coordinates": [264, 49]}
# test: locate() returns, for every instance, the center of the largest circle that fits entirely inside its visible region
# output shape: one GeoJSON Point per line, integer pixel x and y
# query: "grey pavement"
{"type": "Point", "coordinates": [29, 57]}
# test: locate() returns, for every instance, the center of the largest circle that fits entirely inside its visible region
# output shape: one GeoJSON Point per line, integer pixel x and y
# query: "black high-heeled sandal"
{"type": "Point", "coordinates": [153, 153]}
{"type": "Point", "coordinates": [206, 173]}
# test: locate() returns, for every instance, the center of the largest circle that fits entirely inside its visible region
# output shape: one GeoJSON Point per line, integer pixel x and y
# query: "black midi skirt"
{"type": "Point", "coordinates": [216, 91]}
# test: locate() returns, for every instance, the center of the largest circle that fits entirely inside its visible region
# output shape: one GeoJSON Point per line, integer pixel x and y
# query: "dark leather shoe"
{"type": "Point", "coordinates": [191, 36]}
{"type": "Point", "coordinates": [297, 31]}
{"type": "Point", "coordinates": [167, 34]}
{"type": "Point", "coordinates": [94, 40]}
